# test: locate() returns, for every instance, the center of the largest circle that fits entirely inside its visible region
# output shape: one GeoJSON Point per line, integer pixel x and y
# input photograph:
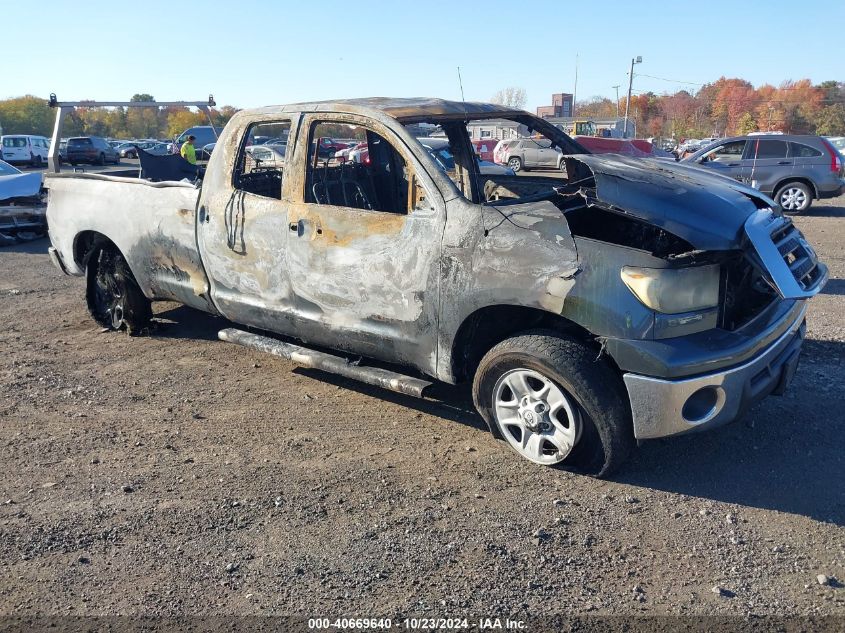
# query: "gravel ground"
{"type": "Point", "coordinates": [177, 475]}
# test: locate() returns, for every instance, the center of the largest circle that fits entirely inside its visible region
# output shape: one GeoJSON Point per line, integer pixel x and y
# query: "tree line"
{"type": "Point", "coordinates": [32, 115]}
{"type": "Point", "coordinates": [728, 106]}
{"type": "Point", "coordinates": [731, 106]}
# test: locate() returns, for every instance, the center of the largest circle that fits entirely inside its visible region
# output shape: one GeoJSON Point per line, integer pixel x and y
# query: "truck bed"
{"type": "Point", "coordinates": [151, 223]}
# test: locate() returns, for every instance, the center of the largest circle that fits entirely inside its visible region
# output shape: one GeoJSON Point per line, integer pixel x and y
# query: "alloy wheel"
{"type": "Point", "coordinates": [535, 416]}
{"type": "Point", "coordinates": [793, 199]}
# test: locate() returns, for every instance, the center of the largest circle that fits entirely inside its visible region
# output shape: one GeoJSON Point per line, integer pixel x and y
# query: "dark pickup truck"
{"type": "Point", "coordinates": [615, 300]}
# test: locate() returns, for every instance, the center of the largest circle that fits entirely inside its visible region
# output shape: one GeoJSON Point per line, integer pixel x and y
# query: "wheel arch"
{"type": "Point", "coordinates": [801, 179]}
{"type": "Point", "coordinates": [487, 326]}
{"type": "Point", "coordinates": [88, 242]}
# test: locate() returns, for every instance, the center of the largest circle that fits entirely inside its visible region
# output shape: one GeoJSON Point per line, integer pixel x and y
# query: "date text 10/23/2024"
{"type": "Point", "coordinates": [414, 624]}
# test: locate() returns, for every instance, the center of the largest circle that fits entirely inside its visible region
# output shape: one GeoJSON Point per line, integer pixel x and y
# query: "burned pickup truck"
{"type": "Point", "coordinates": [605, 301]}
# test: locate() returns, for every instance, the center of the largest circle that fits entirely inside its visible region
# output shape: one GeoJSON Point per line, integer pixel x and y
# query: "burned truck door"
{"type": "Point", "coordinates": [364, 243]}
{"type": "Point", "coordinates": [242, 225]}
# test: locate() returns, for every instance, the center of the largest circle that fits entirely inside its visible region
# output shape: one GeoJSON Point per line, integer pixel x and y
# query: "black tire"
{"type": "Point", "coordinates": [102, 160]}
{"type": "Point", "coordinates": [606, 435]}
{"type": "Point", "coordinates": [516, 164]}
{"type": "Point", "coordinates": [72, 164]}
{"type": "Point", "coordinates": [114, 299]}
{"type": "Point", "coordinates": [784, 192]}
{"type": "Point", "coordinates": [37, 162]}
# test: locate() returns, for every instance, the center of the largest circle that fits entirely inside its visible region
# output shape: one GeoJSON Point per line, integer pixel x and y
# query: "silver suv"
{"type": "Point", "coordinates": [529, 153]}
{"type": "Point", "coordinates": [792, 169]}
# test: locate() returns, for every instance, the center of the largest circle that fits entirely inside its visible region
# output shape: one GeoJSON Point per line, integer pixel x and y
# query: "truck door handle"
{"type": "Point", "coordinates": [294, 226]}
{"type": "Point", "coordinates": [733, 164]}
{"type": "Point", "coordinates": [203, 215]}
{"type": "Point", "coordinates": [784, 162]}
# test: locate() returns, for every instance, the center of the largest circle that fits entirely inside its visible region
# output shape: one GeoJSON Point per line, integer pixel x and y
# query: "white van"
{"type": "Point", "coordinates": [24, 148]}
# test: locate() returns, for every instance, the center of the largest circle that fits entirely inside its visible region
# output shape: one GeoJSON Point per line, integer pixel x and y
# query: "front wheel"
{"type": "Point", "coordinates": [114, 299]}
{"type": "Point", "coordinates": [515, 163]}
{"type": "Point", "coordinates": [794, 197]}
{"type": "Point", "coordinates": [554, 404]}
{"type": "Point", "coordinates": [102, 160]}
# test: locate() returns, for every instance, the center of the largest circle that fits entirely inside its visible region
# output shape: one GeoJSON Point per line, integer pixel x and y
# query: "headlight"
{"type": "Point", "coordinates": [674, 290]}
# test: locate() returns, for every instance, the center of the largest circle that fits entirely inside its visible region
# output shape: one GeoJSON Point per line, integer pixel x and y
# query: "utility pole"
{"type": "Point", "coordinates": [617, 100]}
{"type": "Point", "coordinates": [635, 60]}
{"type": "Point", "coordinates": [575, 90]}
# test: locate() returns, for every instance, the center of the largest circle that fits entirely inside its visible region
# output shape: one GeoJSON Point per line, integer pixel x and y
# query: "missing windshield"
{"type": "Point", "coordinates": [498, 159]}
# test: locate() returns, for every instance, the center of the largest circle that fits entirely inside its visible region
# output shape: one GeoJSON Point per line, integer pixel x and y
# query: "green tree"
{"type": "Point", "coordinates": [26, 115]}
{"type": "Point", "coordinates": [746, 124]}
{"type": "Point", "coordinates": [830, 121]}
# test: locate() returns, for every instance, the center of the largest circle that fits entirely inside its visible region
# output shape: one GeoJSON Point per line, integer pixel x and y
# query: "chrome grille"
{"type": "Point", "coordinates": [790, 261]}
{"type": "Point", "coordinates": [798, 255]}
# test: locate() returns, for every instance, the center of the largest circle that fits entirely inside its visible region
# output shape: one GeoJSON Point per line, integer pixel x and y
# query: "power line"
{"type": "Point", "coordinates": [675, 81]}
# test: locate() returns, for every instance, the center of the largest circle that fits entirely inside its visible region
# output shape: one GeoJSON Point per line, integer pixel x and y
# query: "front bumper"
{"type": "Point", "coordinates": [668, 407]}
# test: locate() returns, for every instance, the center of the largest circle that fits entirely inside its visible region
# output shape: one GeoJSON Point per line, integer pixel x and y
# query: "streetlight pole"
{"type": "Point", "coordinates": [617, 100]}
{"type": "Point", "coordinates": [634, 60]}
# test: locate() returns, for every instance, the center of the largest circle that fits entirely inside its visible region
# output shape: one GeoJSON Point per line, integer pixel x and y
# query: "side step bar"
{"type": "Point", "coordinates": [334, 364]}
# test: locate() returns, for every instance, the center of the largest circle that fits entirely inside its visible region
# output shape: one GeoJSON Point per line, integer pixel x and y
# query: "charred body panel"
{"type": "Point", "coordinates": [152, 224]}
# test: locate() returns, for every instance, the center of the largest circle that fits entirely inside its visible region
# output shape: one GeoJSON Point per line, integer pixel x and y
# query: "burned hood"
{"type": "Point", "coordinates": [707, 210]}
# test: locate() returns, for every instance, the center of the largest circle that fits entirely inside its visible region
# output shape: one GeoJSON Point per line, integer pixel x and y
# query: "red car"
{"type": "Point", "coordinates": [326, 147]}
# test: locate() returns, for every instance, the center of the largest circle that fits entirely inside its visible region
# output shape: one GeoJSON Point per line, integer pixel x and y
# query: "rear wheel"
{"type": "Point", "coordinates": [554, 404]}
{"type": "Point", "coordinates": [794, 197]}
{"type": "Point", "coordinates": [114, 299]}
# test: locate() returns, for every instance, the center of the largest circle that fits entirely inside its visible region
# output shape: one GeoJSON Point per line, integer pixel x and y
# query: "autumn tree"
{"type": "Point", "coordinates": [221, 117]}
{"type": "Point", "coordinates": [678, 111]}
{"type": "Point", "coordinates": [596, 108]}
{"type": "Point", "coordinates": [182, 119]}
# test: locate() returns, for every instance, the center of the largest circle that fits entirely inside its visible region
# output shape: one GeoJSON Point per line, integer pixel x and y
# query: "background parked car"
{"type": "Point", "coordinates": [130, 148]}
{"type": "Point", "coordinates": [838, 142]}
{"type": "Point", "coordinates": [440, 152]}
{"type": "Point", "coordinates": [90, 149]}
{"type": "Point", "coordinates": [158, 149]}
{"type": "Point", "coordinates": [792, 169]}
{"type": "Point", "coordinates": [203, 135]}
{"type": "Point", "coordinates": [267, 155]}
{"type": "Point", "coordinates": [19, 149]}
{"type": "Point", "coordinates": [528, 153]}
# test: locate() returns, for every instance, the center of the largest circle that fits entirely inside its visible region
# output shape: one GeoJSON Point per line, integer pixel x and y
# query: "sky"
{"type": "Point", "coordinates": [250, 53]}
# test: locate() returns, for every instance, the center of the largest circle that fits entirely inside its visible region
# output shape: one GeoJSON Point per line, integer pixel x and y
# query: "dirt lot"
{"type": "Point", "coordinates": [175, 474]}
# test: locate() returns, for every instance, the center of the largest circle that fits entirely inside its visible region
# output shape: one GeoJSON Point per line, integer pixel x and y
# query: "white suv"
{"type": "Point", "coordinates": [25, 148]}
